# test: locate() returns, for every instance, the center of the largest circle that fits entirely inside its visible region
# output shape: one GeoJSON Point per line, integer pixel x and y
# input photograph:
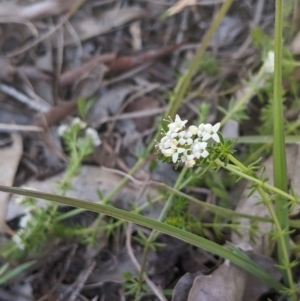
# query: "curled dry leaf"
{"type": "Point", "coordinates": [226, 283]}
{"type": "Point", "coordinates": [183, 286]}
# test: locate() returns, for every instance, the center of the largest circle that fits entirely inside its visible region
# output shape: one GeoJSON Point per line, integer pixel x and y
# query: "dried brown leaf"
{"type": "Point", "coordinates": [37, 10]}
{"type": "Point", "coordinates": [230, 282]}
{"type": "Point", "coordinates": [110, 20]}
{"type": "Point", "coordinates": [70, 76]}
{"type": "Point", "coordinates": [9, 161]}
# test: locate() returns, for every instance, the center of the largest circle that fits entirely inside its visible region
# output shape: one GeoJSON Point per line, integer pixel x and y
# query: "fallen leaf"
{"type": "Point", "coordinates": [141, 104]}
{"type": "Point", "coordinates": [228, 31]}
{"type": "Point", "coordinates": [109, 20]}
{"type": "Point", "coordinates": [56, 114]}
{"type": "Point", "coordinates": [179, 6]}
{"type": "Point", "coordinates": [295, 45]}
{"type": "Point", "coordinates": [70, 76]}
{"type": "Point", "coordinates": [85, 186]}
{"type": "Point", "coordinates": [109, 104]}
{"type": "Point", "coordinates": [9, 162]}
{"type": "Point", "coordinates": [183, 286]}
{"type": "Point", "coordinates": [124, 63]}
{"type": "Point", "coordinates": [230, 282]}
{"type": "Point", "coordinates": [37, 10]}
{"type": "Point", "coordinates": [88, 84]}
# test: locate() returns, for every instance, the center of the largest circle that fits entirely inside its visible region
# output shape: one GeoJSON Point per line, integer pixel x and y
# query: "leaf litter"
{"type": "Point", "coordinates": [122, 59]}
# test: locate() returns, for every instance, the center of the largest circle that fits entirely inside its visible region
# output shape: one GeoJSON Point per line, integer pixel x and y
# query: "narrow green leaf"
{"type": "Point", "coordinates": [14, 272]}
{"type": "Point", "coordinates": [152, 224]}
{"type": "Point", "coordinates": [266, 139]}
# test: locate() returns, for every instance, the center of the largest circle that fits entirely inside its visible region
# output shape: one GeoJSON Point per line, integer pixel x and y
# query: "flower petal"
{"type": "Point", "coordinates": [208, 127]}
{"type": "Point", "coordinates": [203, 145]}
{"type": "Point", "coordinates": [216, 137]}
{"type": "Point", "coordinates": [190, 163]}
{"type": "Point", "coordinates": [175, 157]}
{"type": "Point", "coordinates": [168, 152]}
{"type": "Point", "coordinates": [206, 136]}
{"type": "Point", "coordinates": [205, 153]}
{"type": "Point", "coordinates": [216, 127]}
{"type": "Point", "coordinates": [193, 129]}
{"type": "Point", "coordinates": [182, 141]}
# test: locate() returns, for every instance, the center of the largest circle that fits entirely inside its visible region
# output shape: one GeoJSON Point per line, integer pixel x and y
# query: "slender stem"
{"type": "Point", "coordinates": [279, 157]}
{"type": "Point", "coordinates": [282, 232]}
{"type": "Point", "coordinates": [182, 87]}
{"type": "Point", "coordinates": [255, 180]}
{"type": "Point", "coordinates": [246, 96]}
{"type": "Point", "coordinates": [160, 218]}
{"type": "Point", "coordinates": [281, 242]}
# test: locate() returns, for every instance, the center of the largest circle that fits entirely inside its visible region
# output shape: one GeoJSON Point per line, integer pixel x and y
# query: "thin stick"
{"type": "Point", "coordinates": [155, 289]}
{"type": "Point", "coordinates": [20, 127]}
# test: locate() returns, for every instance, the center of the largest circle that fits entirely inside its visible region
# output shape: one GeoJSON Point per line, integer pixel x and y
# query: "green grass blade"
{"type": "Point", "coordinates": [14, 272]}
{"type": "Point", "coordinates": [266, 139]}
{"type": "Point", "coordinates": [279, 156]}
{"type": "Point", "coordinates": [152, 224]}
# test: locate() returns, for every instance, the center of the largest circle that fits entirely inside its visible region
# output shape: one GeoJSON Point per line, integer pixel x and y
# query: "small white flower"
{"type": "Point", "coordinates": [177, 125]}
{"type": "Point", "coordinates": [187, 156]}
{"type": "Point", "coordinates": [94, 135]}
{"type": "Point", "coordinates": [174, 152]}
{"type": "Point", "coordinates": [78, 121]}
{"type": "Point", "coordinates": [201, 130]}
{"type": "Point", "coordinates": [62, 129]}
{"type": "Point", "coordinates": [211, 132]}
{"type": "Point", "coordinates": [185, 137]}
{"type": "Point", "coordinates": [17, 239]}
{"type": "Point", "coordinates": [24, 220]}
{"type": "Point", "coordinates": [269, 62]}
{"type": "Point", "coordinates": [163, 144]}
{"type": "Point", "coordinates": [175, 155]}
{"type": "Point", "coordinates": [168, 152]}
{"type": "Point", "coordinates": [193, 129]}
{"type": "Point", "coordinates": [190, 163]}
{"type": "Point", "coordinates": [199, 149]}
{"type": "Point", "coordinates": [171, 134]}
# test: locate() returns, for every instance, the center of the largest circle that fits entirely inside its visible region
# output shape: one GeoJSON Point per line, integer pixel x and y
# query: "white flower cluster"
{"type": "Point", "coordinates": [187, 146]}
{"type": "Point", "coordinates": [62, 129]}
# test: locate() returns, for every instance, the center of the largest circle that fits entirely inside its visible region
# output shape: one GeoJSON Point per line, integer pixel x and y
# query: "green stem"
{"type": "Point", "coordinates": [281, 242]}
{"type": "Point", "coordinates": [240, 173]}
{"type": "Point", "coordinates": [282, 232]}
{"type": "Point", "coordinates": [250, 92]}
{"type": "Point", "coordinates": [182, 87]}
{"type": "Point", "coordinates": [279, 157]}
{"type": "Point", "coordinates": [160, 218]}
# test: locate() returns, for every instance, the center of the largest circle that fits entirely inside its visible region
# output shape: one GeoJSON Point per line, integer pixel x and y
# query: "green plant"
{"type": "Point", "coordinates": [40, 223]}
{"type": "Point", "coordinates": [203, 147]}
